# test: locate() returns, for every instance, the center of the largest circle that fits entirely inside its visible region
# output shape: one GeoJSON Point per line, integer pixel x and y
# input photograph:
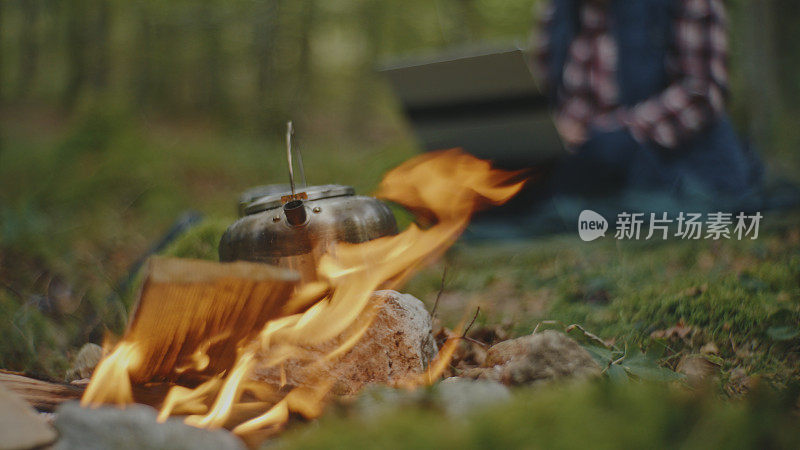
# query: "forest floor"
{"type": "Point", "coordinates": [79, 205]}
{"type": "Point", "coordinates": [740, 299]}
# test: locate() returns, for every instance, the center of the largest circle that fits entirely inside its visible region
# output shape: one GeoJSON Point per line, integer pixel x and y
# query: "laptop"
{"type": "Point", "coordinates": [482, 100]}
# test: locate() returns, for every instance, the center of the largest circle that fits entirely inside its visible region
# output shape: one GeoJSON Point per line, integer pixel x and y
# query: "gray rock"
{"type": "Point", "coordinates": [375, 401]}
{"type": "Point", "coordinates": [20, 426]}
{"type": "Point", "coordinates": [457, 397]}
{"type": "Point", "coordinates": [85, 361]}
{"type": "Point", "coordinates": [462, 396]}
{"type": "Point", "coordinates": [398, 343]}
{"type": "Point", "coordinates": [134, 427]}
{"type": "Point", "coordinates": [540, 357]}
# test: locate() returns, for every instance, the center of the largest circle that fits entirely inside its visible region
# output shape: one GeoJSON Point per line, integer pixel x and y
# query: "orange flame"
{"type": "Point", "coordinates": [442, 188]}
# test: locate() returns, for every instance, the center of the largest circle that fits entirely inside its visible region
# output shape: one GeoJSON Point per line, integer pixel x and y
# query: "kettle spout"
{"type": "Point", "coordinates": [295, 212]}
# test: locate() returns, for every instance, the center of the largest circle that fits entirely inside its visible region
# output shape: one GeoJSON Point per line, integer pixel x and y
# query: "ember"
{"type": "Point", "coordinates": [443, 188]}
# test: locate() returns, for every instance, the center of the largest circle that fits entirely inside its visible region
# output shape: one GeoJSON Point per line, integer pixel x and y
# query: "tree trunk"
{"type": "Point", "coordinates": [142, 78]}
{"type": "Point", "coordinates": [305, 64]}
{"type": "Point", "coordinates": [786, 15]}
{"type": "Point", "coordinates": [1, 52]}
{"type": "Point", "coordinates": [371, 16]}
{"type": "Point", "coordinates": [100, 44]}
{"type": "Point", "coordinates": [265, 35]}
{"type": "Point", "coordinates": [212, 64]}
{"type": "Point", "coordinates": [28, 48]}
{"type": "Point", "coordinates": [468, 28]}
{"type": "Point", "coordinates": [76, 53]}
{"type": "Point", "coordinates": [761, 64]}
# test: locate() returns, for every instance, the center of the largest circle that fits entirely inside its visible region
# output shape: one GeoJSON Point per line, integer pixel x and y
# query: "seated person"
{"type": "Point", "coordinates": [639, 89]}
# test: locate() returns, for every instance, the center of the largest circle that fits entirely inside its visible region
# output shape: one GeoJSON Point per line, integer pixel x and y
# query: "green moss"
{"type": "Point", "coordinates": [31, 340]}
{"type": "Point", "coordinates": [732, 292]}
{"type": "Point", "coordinates": [593, 415]}
{"type": "Point", "coordinates": [201, 241]}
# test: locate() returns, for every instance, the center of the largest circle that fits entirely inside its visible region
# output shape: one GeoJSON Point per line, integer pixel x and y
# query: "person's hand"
{"type": "Point", "coordinates": [572, 132]}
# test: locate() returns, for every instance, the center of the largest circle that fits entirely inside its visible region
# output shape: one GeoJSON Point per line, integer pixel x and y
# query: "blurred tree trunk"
{"type": "Point", "coordinates": [143, 78]}
{"type": "Point", "coordinates": [1, 52]}
{"type": "Point", "coordinates": [370, 16]}
{"type": "Point", "coordinates": [100, 44]}
{"type": "Point", "coordinates": [786, 13]}
{"type": "Point", "coordinates": [212, 89]}
{"type": "Point", "coordinates": [761, 63]}
{"type": "Point", "coordinates": [1, 73]}
{"type": "Point", "coordinates": [76, 52]}
{"type": "Point", "coordinates": [170, 66]}
{"type": "Point", "coordinates": [28, 47]}
{"type": "Point", "coordinates": [786, 60]}
{"type": "Point", "coordinates": [305, 73]}
{"type": "Point", "coordinates": [469, 21]}
{"type": "Point", "coordinates": [265, 33]}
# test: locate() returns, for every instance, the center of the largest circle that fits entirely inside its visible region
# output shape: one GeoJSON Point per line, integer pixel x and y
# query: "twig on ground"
{"type": "Point", "coordinates": [474, 341]}
{"type": "Point", "coordinates": [435, 306]}
{"type": "Point", "coordinates": [439, 294]}
{"type": "Point", "coordinates": [547, 322]}
{"type": "Point", "coordinates": [472, 322]}
{"type": "Point", "coordinates": [592, 337]}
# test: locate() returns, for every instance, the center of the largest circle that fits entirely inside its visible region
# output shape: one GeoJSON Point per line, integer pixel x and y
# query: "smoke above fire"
{"type": "Point", "coordinates": [208, 371]}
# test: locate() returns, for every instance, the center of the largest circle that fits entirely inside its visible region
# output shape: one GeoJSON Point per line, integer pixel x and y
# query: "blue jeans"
{"type": "Point", "coordinates": [612, 169]}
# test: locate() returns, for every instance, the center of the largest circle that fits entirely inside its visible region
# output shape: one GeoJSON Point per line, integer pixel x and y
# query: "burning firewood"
{"type": "Point", "coordinates": [191, 317]}
{"type": "Point", "coordinates": [205, 327]}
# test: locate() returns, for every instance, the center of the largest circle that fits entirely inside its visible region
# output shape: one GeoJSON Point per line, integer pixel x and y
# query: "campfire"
{"type": "Point", "coordinates": [201, 329]}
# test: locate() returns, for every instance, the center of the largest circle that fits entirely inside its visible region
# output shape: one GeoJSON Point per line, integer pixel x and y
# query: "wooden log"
{"type": "Point", "coordinates": [20, 425]}
{"type": "Point", "coordinates": [42, 395]}
{"type": "Point", "coordinates": [189, 308]}
{"type": "Point", "coordinates": [186, 307]}
{"type": "Point", "coordinates": [45, 396]}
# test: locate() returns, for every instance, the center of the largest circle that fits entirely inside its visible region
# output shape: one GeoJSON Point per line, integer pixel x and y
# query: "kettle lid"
{"type": "Point", "coordinates": [275, 200]}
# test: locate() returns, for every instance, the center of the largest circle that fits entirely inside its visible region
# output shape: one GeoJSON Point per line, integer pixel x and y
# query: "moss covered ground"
{"type": "Point", "coordinates": [599, 415]}
{"type": "Point", "coordinates": [742, 298]}
{"type": "Point", "coordinates": [80, 203]}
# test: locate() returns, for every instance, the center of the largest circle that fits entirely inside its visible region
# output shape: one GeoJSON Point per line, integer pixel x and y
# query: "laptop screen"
{"type": "Point", "coordinates": [485, 102]}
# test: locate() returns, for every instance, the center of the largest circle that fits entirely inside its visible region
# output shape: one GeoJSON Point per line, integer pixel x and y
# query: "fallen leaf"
{"type": "Point", "coordinates": [680, 330]}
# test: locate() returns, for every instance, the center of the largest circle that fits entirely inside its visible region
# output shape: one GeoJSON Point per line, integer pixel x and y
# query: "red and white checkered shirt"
{"type": "Point", "coordinates": [696, 67]}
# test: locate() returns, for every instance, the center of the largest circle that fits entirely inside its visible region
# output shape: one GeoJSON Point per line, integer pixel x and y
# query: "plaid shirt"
{"type": "Point", "coordinates": [696, 66]}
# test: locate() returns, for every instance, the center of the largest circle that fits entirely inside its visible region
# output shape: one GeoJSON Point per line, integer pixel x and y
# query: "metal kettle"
{"type": "Point", "coordinates": [293, 229]}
